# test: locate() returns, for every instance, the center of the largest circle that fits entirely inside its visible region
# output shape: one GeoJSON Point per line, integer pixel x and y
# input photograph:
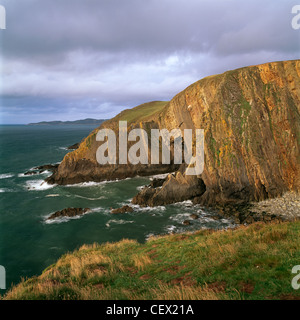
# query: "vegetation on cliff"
{"type": "Point", "coordinates": [252, 262]}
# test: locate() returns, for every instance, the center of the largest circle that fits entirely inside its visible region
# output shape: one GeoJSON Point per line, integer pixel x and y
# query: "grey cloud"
{"type": "Point", "coordinates": [47, 27]}
{"type": "Point", "coordinates": [104, 55]}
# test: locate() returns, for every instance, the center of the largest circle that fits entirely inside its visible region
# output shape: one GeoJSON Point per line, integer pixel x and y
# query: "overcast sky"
{"type": "Point", "coordinates": [76, 59]}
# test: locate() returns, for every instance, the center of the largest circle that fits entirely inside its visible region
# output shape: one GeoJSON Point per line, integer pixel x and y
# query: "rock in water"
{"type": "Point", "coordinates": [41, 169]}
{"type": "Point", "coordinates": [124, 209]}
{"type": "Point", "coordinates": [176, 188]}
{"type": "Point", "coordinates": [68, 212]}
{"type": "Point", "coordinates": [74, 146]}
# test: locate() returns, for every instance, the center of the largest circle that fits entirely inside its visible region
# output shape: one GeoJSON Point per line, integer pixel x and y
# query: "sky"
{"type": "Point", "coordinates": [77, 59]}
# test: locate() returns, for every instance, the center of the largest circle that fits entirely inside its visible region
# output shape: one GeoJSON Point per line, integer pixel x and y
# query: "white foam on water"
{"type": "Point", "coordinates": [99, 209]}
{"type": "Point", "coordinates": [3, 190]}
{"type": "Point", "coordinates": [114, 221]}
{"type": "Point", "coordinates": [180, 217]}
{"type": "Point", "coordinates": [38, 185]}
{"type": "Point", "coordinates": [65, 219]}
{"type": "Point", "coordinates": [170, 228]}
{"type": "Point", "coordinates": [92, 199]}
{"type": "Point", "coordinates": [61, 219]}
{"type": "Point", "coordinates": [149, 235]}
{"type": "Point", "coordinates": [34, 173]}
{"type": "Point", "coordinates": [52, 195]}
{"type": "Point", "coordinates": [186, 203]}
{"type": "Point", "coordinates": [147, 209]}
{"type": "Point", "coordinates": [22, 175]}
{"type": "Point", "coordinates": [47, 172]}
{"type": "Point", "coordinates": [160, 176]}
{"type": "Point", "coordinates": [87, 184]}
{"type": "Point", "coordinates": [6, 175]}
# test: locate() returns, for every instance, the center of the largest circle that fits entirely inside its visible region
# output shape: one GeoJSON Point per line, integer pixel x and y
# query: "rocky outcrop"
{"type": "Point", "coordinates": [68, 212]}
{"type": "Point", "coordinates": [41, 169]}
{"type": "Point", "coordinates": [176, 188]}
{"type": "Point", "coordinates": [124, 209]}
{"type": "Point", "coordinates": [74, 146]}
{"type": "Point", "coordinates": [251, 122]}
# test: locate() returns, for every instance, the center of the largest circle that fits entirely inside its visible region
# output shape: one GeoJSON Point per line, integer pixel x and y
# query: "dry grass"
{"type": "Point", "coordinates": [140, 262]}
{"type": "Point", "coordinates": [251, 262]}
{"type": "Point", "coordinates": [181, 292]}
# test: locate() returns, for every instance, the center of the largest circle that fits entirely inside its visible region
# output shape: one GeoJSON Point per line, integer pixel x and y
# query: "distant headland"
{"type": "Point", "coordinates": [87, 121]}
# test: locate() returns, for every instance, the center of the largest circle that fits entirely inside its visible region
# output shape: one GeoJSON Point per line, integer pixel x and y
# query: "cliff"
{"type": "Point", "coordinates": [251, 122]}
{"type": "Point", "coordinates": [81, 165]}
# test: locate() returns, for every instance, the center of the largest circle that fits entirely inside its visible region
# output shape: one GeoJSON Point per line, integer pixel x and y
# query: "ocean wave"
{"type": "Point", "coordinates": [160, 176]}
{"type": "Point", "coordinates": [114, 221]}
{"type": "Point", "coordinates": [38, 185]}
{"type": "Point", "coordinates": [34, 173]}
{"type": "Point", "coordinates": [92, 199]}
{"type": "Point", "coordinates": [99, 209]}
{"type": "Point", "coordinates": [22, 175]}
{"type": "Point", "coordinates": [149, 235]}
{"type": "Point", "coordinates": [3, 190]}
{"type": "Point", "coordinates": [62, 219]}
{"type": "Point", "coordinates": [170, 228]}
{"type": "Point", "coordinates": [186, 203]}
{"type": "Point", "coordinates": [87, 184]}
{"type": "Point", "coordinates": [66, 219]}
{"type": "Point", "coordinates": [139, 208]}
{"type": "Point", "coordinates": [180, 217]}
{"type": "Point", "coordinates": [6, 175]}
{"type": "Point", "coordinates": [52, 195]}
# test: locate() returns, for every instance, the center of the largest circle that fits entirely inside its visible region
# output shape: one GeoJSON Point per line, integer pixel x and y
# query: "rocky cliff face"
{"type": "Point", "coordinates": [251, 122]}
{"type": "Point", "coordinates": [81, 164]}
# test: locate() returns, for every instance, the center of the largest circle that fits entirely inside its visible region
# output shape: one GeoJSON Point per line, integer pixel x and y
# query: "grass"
{"type": "Point", "coordinates": [252, 262]}
{"type": "Point", "coordinates": [141, 112]}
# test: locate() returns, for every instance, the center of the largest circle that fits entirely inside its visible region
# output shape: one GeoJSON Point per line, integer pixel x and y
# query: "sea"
{"type": "Point", "coordinates": [29, 242]}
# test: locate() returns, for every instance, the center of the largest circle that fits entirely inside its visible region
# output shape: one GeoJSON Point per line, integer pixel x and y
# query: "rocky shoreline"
{"type": "Point", "coordinates": [284, 208]}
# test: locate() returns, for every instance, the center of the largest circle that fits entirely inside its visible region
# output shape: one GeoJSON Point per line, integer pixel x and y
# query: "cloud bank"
{"type": "Point", "coordinates": [71, 59]}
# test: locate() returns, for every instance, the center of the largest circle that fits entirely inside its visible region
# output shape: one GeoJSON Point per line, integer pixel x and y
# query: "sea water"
{"type": "Point", "coordinates": [29, 242]}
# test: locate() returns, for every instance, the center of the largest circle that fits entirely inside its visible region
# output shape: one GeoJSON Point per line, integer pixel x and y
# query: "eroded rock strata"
{"type": "Point", "coordinates": [251, 123]}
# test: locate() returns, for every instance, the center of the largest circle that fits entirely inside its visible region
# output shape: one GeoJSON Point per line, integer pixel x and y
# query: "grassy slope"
{"type": "Point", "coordinates": [251, 262]}
{"type": "Point", "coordinates": [145, 111]}
{"type": "Point", "coordinates": [141, 112]}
